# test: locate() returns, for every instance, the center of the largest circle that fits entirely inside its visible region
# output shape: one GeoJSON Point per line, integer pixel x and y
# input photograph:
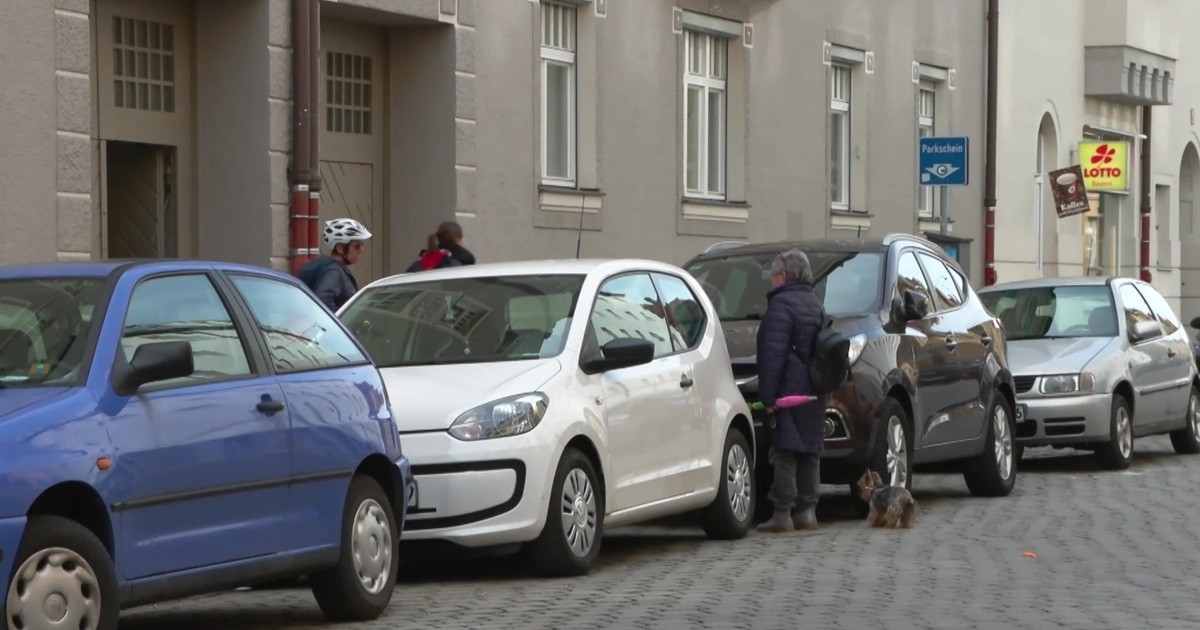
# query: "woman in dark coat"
{"type": "Point", "coordinates": [785, 342]}
{"type": "Point", "coordinates": [444, 248]}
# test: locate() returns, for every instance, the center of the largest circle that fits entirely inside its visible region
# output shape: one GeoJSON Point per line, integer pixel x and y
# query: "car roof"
{"type": "Point", "coordinates": [869, 244]}
{"type": "Point", "coordinates": [578, 267]}
{"type": "Point", "coordinates": [105, 268]}
{"type": "Point", "coordinates": [1041, 283]}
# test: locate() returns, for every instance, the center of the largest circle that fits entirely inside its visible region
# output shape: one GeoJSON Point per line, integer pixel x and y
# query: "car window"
{"type": "Point", "coordinates": [684, 312]}
{"type": "Point", "coordinates": [1162, 310]}
{"type": "Point", "coordinates": [1136, 308]}
{"type": "Point", "coordinates": [627, 307]}
{"type": "Point", "coordinates": [186, 308]}
{"type": "Point", "coordinates": [300, 334]}
{"type": "Point", "coordinates": [1050, 312]}
{"type": "Point", "coordinates": [909, 276]}
{"type": "Point", "coordinates": [44, 326]}
{"type": "Point", "coordinates": [945, 288]}
{"type": "Point", "coordinates": [489, 319]}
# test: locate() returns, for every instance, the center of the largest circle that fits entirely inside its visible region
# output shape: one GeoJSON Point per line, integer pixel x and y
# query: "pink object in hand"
{"type": "Point", "coordinates": [793, 401]}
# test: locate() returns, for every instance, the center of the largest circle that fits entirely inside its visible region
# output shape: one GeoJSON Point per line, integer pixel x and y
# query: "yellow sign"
{"type": "Point", "coordinates": [1105, 166]}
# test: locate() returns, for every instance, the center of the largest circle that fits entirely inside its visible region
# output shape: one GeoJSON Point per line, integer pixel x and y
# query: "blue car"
{"type": "Point", "coordinates": [171, 428]}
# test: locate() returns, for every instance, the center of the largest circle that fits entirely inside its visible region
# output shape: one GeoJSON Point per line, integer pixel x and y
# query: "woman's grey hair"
{"type": "Point", "coordinates": [793, 264]}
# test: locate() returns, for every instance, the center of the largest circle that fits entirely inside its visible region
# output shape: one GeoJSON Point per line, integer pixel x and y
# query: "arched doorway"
{"type": "Point", "coordinates": [1044, 217]}
{"type": "Point", "coordinates": [1189, 231]}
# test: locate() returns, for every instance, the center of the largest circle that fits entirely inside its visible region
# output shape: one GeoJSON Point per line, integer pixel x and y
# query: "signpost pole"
{"type": "Point", "coordinates": [943, 194]}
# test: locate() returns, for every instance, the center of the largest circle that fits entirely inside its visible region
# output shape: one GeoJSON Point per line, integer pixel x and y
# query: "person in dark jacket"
{"type": "Point", "coordinates": [329, 276]}
{"type": "Point", "coordinates": [785, 341]}
{"type": "Point", "coordinates": [444, 249]}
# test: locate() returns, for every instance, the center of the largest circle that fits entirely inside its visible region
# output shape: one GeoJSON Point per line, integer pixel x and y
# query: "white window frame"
{"type": "Point", "coordinates": [709, 79]}
{"type": "Point", "coordinates": [559, 53]}
{"type": "Point", "coordinates": [840, 97]}
{"type": "Point", "coordinates": [927, 200]}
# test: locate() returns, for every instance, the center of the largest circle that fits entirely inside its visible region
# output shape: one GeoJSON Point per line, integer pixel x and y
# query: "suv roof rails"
{"type": "Point", "coordinates": [716, 247]}
{"type": "Point", "coordinates": [901, 236]}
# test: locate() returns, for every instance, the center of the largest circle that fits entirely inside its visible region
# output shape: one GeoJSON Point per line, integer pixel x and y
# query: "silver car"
{"type": "Point", "coordinates": [1097, 363]}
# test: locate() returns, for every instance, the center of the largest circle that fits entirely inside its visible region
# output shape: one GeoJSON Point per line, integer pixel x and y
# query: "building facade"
{"type": "Point", "coordinates": [1077, 74]}
{"type": "Point", "coordinates": [648, 128]}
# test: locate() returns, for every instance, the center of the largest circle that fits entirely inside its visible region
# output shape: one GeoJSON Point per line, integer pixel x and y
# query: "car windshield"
{"type": "Point", "coordinates": [848, 283]}
{"type": "Point", "coordinates": [44, 325]}
{"type": "Point", "coordinates": [1054, 312]}
{"type": "Point", "coordinates": [469, 320]}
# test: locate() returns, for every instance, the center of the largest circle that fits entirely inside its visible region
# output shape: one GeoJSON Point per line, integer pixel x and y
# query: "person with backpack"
{"type": "Point", "coordinates": [788, 340]}
{"type": "Point", "coordinates": [329, 276]}
{"type": "Point", "coordinates": [444, 248]}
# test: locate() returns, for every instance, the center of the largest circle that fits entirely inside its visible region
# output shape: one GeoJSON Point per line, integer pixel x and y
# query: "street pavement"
{"type": "Point", "coordinates": [1113, 550]}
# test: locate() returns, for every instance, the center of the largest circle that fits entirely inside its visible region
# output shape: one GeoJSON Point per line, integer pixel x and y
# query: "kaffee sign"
{"type": "Point", "coordinates": [1105, 166]}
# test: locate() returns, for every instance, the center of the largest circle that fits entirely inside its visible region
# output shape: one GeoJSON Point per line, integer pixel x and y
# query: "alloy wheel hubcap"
{"type": "Point", "coordinates": [1003, 446]}
{"type": "Point", "coordinates": [897, 453]}
{"type": "Point", "coordinates": [1124, 433]}
{"type": "Point", "coordinates": [1194, 416]}
{"type": "Point", "coordinates": [54, 588]}
{"type": "Point", "coordinates": [579, 512]}
{"type": "Point", "coordinates": [738, 482]}
{"type": "Point", "coordinates": [371, 546]}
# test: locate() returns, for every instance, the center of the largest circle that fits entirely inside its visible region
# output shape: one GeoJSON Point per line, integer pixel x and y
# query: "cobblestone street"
{"type": "Point", "coordinates": [1114, 550]}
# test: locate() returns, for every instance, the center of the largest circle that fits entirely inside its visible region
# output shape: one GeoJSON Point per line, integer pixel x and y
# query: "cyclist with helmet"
{"type": "Point", "coordinates": [329, 276]}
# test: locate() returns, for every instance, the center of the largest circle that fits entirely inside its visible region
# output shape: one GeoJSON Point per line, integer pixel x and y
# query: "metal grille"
{"type": "Point", "coordinates": [558, 26]}
{"type": "Point", "coordinates": [347, 93]}
{"type": "Point", "coordinates": [143, 65]}
{"type": "Point", "coordinates": [1024, 383]}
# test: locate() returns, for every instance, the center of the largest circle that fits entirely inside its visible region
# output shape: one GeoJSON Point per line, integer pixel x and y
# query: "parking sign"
{"type": "Point", "coordinates": [943, 161]}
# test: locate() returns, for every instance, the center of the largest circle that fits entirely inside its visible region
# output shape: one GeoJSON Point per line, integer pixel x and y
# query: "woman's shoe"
{"type": "Point", "coordinates": [780, 523]}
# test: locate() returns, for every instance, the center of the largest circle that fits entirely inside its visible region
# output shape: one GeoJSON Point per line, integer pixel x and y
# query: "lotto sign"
{"type": "Point", "coordinates": [1105, 166]}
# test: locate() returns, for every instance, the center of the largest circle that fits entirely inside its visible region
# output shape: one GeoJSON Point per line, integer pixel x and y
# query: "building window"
{"type": "Point", "coordinates": [558, 93]}
{"type": "Point", "coordinates": [926, 107]}
{"type": "Point", "coordinates": [704, 114]}
{"type": "Point", "coordinates": [347, 93]}
{"type": "Point", "coordinates": [143, 65]}
{"type": "Point", "coordinates": [839, 137]}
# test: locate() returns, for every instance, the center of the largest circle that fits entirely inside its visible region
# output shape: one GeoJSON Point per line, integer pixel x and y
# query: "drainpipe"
{"type": "Point", "coordinates": [314, 129]}
{"type": "Point", "coordinates": [989, 175]}
{"type": "Point", "coordinates": [300, 173]}
{"type": "Point", "coordinates": [1144, 261]}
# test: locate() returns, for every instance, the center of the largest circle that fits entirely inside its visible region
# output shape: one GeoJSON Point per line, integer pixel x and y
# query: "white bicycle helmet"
{"type": "Point", "coordinates": [340, 231]}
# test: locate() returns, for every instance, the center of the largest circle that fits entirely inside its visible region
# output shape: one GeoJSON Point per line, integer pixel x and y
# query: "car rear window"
{"type": "Point", "coordinates": [848, 283]}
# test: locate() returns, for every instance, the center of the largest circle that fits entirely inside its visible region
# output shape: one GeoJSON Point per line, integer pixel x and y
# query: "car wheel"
{"type": "Point", "coordinates": [893, 451]}
{"type": "Point", "coordinates": [995, 472]}
{"type": "Point", "coordinates": [360, 586]}
{"type": "Point", "coordinates": [1187, 440]}
{"type": "Point", "coordinates": [728, 516]}
{"type": "Point", "coordinates": [1117, 452]}
{"type": "Point", "coordinates": [64, 578]}
{"type": "Point", "coordinates": [570, 540]}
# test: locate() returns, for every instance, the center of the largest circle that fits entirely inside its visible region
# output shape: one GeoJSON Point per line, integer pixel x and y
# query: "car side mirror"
{"type": "Point", "coordinates": [916, 305]}
{"type": "Point", "coordinates": [154, 363]}
{"type": "Point", "coordinates": [1196, 323]}
{"type": "Point", "coordinates": [1143, 330]}
{"type": "Point", "coordinates": [621, 353]}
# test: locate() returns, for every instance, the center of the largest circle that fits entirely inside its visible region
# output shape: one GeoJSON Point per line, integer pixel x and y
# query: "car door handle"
{"type": "Point", "coordinates": [987, 341]}
{"type": "Point", "coordinates": [686, 381]}
{"type": "Point", "coordinates": [269, 405]}
{"type": "Point", "coordinates": [951, 344]}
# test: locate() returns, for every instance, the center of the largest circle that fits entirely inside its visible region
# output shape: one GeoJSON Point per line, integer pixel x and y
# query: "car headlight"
{"type": "Point", "coordinates": [1068, 383]}
{"type": "Point", "coordinates": [501, 418]}
{"type": "Point", "coordinates": [857, 344]}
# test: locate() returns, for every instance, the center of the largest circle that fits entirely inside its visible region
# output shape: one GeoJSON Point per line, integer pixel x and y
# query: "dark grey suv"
{"type": "Point", "coordinates": [929, 384]}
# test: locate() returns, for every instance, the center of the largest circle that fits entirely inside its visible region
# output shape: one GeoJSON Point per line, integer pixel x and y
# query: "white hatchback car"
{"type": "Point", "coordinates": [545, 402]}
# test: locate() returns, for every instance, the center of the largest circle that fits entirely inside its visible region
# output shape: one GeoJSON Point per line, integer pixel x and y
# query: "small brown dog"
{"type": "Point", "coordinates": [891, 506]}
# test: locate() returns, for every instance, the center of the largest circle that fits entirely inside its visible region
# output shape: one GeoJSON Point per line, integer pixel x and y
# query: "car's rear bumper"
{"type": "Point", "coordinates": [11, 530]}
{"type": "Point", "coordinates": [1064, 420]}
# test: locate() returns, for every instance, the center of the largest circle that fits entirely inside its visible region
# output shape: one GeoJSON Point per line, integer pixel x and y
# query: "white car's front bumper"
{"type": "Point", "coordinates": [478, 494]}
{"type": "Point", "coordinates": [1064, 419]}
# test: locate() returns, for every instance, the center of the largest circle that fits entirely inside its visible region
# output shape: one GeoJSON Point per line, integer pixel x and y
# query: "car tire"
{"type": "Point", "coordinates": [1117, 452]}
{"type": "Point", "coordinates": [359, 587]}
{"type": "Point", "coordinates": [893, 454]}
{"type": "Point", "coordinates": [1186, 441]}
{"type": "Point", "coordinates": [730, 514]}
{"type": "Point", "coordinates": [60, 551]}
{"type": "Point", "coordinates": [570, 540]}
{"type": "Point", "coordinates": [1018, 451]}
{"type": "Point", "coordinates": [995, 471]}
